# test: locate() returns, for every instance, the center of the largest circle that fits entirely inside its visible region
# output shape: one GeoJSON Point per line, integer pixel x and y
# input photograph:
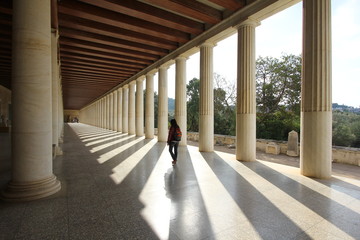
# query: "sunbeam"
{"type": "Point", "coordinates": [109, 155]}
{"type": "Point", "coordinates": [126, 166]}
{"type": "Point", "coordinates": [101, 147]}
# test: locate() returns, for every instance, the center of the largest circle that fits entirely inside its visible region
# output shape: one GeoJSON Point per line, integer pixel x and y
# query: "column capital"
{"type": "Point", "coordinates": [152, 72]}
{"type": "Point", "coordinates": [125, 86]}
{"type": "Point", "coordinates": [167, 64]}
{"type": "Point", "coordinates": [140, 79]}
{"type": "Point", "coordinates": [181, 57]}
{"type": "Point", "coordinates": [132, 83]}
{"type": "Point", "coordinates": [248, 22]}
{"type": "Point", "coordinates": [207, 44]}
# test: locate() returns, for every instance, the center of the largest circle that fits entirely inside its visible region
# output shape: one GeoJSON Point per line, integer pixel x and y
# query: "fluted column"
{"type": "Point", "coordinates": [163, 104]}
{"type": "Point", "coordinates": [102, 113]}
{"type": "Point", "coordinates": [180, 97]}
{"type": "Point", "coordinates": [115, 110]}
{"type": "Point", "coordinates": [149, 108]}
{"type": "Point", "coordinates": [125, 109]}
{"type": "Point", "coordinates": [120, 100]}
{"type": "Point", "coordinates": [107, 123]}
{"type": "Point", "coordinates": [111, 111]}
{"type": "Point", "coordinates": [55, 91]}
{"type": "Point", "coordinates": [132, 107]}
{"type": "Point", "coordinates": [206, 121]}
{"type": "Point", "coordinates": [139, 107]}
{"type": "Point", "coordinates": [32, 170]}
{"type": "Point", "coordinates": [246, 93]}
{"type": "Point", "coordinates": [316, 107]}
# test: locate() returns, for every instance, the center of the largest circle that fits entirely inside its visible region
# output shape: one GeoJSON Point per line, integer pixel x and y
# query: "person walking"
{"type": "Point", "coordinates": [174, 138]}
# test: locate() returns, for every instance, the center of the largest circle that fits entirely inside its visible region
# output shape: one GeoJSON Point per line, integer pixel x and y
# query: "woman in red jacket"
{"type": "Point", "coordinates": [172, 142]}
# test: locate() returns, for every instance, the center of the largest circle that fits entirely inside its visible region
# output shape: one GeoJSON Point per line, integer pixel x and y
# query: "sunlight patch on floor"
{"type": "Point", "coordinates": [157, 210]}
{"type": "Point", "coordinates": [101, 136]}
{"type": "Point", "coordinates": [106, 145]}
{"type": "Point", "coordinates": [217, 199]}
{"type": "Point", "coordinates": [297, 212]}
{"type": "Point", "coordinates": [109, 155]}
{"type": "Point", "coordinates": [127, 165]}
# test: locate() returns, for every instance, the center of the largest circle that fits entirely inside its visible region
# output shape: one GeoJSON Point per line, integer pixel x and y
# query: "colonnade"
{"type": "Point", "coordinates": [316, 95]}
{"type": "Point", "coordinates": [38, 110]}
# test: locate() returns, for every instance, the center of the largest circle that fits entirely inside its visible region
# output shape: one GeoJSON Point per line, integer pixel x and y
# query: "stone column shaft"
{"type": "Point", "coordinates": [120, 100]}
{"type": "Point", "coordinates": [139, 107]}
{"type": "Point", "coordinates": [132, 108]}
{"type": "Point", "coordinates": [246, 93]}
{"type": "Point", "coordinates": [163, 104]}
{"type": "Point", "coordinates": [149, 109]}
{"type": "Point", "coordinates": [115, 110]}
{"type": "Point", "coordinates": [111, 111]}
{"type": "Point", "coordinates": [316, 107]}
{"type": "Point", "coordinates": [206, 121]}
{"type": "Point", "coordinates": [125, 107]}
{"type": "Point", "coordinates": [55, 90]}
{"type": "Point", "coordinates": [180, 97]}
{"type": "Point", "coordinates": [32, 170]}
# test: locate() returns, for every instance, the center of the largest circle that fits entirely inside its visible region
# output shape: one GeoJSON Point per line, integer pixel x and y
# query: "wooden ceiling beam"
{"type": "Point", "coordinates": [90, 12]}
{"type": "Point", "coordinates": [106, 48]}
{"type": "Point", "coordinates": [111, 41]}
{"type": "Point", "coordinates": [151, 14]}
{"type": "Point", "coordinates": [190, 8]}
{"type": "Point", "coordinates": [113, 31]}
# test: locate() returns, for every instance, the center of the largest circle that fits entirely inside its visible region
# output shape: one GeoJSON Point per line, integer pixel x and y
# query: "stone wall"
{"type": "Point", "coordinates": [340, 154]}
{"type": "Point", "coordinates": [69, 115]}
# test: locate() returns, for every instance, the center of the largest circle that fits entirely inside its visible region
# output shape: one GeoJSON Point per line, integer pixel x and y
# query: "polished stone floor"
{"type": "Point", "coordinates": [116, 186]}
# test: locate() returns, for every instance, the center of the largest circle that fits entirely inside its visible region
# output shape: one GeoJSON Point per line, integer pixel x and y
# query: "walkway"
{"type": "Point", "coordinates": [116, 186]}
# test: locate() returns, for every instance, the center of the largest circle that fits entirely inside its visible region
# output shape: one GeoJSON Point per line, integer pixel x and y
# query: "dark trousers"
{"type": "Point", "coordinates": [173, 149]}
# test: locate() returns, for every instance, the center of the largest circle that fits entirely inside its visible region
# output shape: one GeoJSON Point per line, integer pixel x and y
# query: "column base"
{"type": "Point", "coordinates": [28, 191]}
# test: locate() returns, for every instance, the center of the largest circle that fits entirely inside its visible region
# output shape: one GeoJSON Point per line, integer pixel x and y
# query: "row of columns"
{"type": "Point", "coordinates": [316, 96]}
{"type": "Point", "coordinates": [37, 104]}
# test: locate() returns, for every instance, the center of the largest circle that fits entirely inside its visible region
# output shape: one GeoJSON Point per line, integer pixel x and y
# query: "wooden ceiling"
{"type": "Point", "coordinates": [105, 42]}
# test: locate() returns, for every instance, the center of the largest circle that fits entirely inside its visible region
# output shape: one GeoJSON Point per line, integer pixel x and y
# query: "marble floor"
{"type": "Point", "coordinates": [116, 186]}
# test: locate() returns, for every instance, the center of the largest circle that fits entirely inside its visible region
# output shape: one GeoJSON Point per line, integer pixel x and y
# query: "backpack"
{"type": "Point", "coordinates": [177, 134]}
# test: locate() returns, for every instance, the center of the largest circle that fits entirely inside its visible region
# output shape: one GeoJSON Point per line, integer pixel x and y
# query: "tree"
{"type": "Point", "coordinates": [278, 87]}
{"type": "Point", "coordinates": [192, 93]}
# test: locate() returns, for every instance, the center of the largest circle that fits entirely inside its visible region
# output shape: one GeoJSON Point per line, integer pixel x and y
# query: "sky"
{"type": "Point", "coordinates": [282, 33]}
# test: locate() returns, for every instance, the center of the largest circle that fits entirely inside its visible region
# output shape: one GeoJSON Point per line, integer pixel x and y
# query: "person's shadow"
{"type": "Point", "coordinates": [170, 181]}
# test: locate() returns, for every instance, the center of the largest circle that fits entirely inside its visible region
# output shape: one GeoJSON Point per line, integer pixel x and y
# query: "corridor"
{"type": "Point", "coordinates": [116, 186]}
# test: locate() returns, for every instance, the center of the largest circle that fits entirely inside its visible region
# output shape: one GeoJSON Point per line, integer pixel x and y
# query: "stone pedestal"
{"type": "Point", "coordinates": [32, 169]}
{"type": "Point", "coordinates": [139, 107]}
{"type": "Point", "coordinates": [163, 104]}
{"type": "Point", "coordinates": [206, 121]}
{"type": "Point", "coordinates": [180, 97]}
{"type": "Point", "coordinates": [316, 108]}
{"type": "Point", "coordinates": [246, 93]}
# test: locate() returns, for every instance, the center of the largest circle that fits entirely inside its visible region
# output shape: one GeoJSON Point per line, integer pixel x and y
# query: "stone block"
{"type": "Point", "coordinates": [272, 148]}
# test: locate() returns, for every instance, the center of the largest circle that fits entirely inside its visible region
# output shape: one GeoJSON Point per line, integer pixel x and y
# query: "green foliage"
{"type": "Point", "coordinates": [346, 129]}
{"type": "Point", "coordinates": [278, 87]}
{"type": "Point", "coordinates": [193, 95]}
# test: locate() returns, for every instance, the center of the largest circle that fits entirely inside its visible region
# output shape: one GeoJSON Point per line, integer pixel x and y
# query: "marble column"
{"type": "Point", "coordinates": [163, 104]}
{"type": "Point", "coordinates": [32, 170]}
{"type": "Point", "coordinates": [107, 123]}
{"type": "Point", "coordinates": [115, 110]}
{"type": "Point", "coordinates": [149, 107]}
{"type": "Point", "coordinates": [132, 108]}
{"type": "Point", "coordinates": [125, 107]}
{"type": "Point", "coordinates": [316, 95]}
{"type": "Point", "coordinates": [180, 97]}
{"type": "Point", "coordinates": [102, 112]}
{"type": "Point", "coordinates": [120, 100]}
{"type": "Point", "coordinates": [206, 121]}
{"type": "Point", "coordinates": [55, 91]}
{"type": "Point", "coordinates": [139, 107]}
{"type": "Point", "coordinates": [246, 93]}
{"type": "Point", "coordinates": [111, 111]}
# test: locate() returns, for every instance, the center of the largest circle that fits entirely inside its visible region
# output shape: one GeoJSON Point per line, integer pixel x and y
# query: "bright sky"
{"type": "Point", "coordinates": [282, 33]}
